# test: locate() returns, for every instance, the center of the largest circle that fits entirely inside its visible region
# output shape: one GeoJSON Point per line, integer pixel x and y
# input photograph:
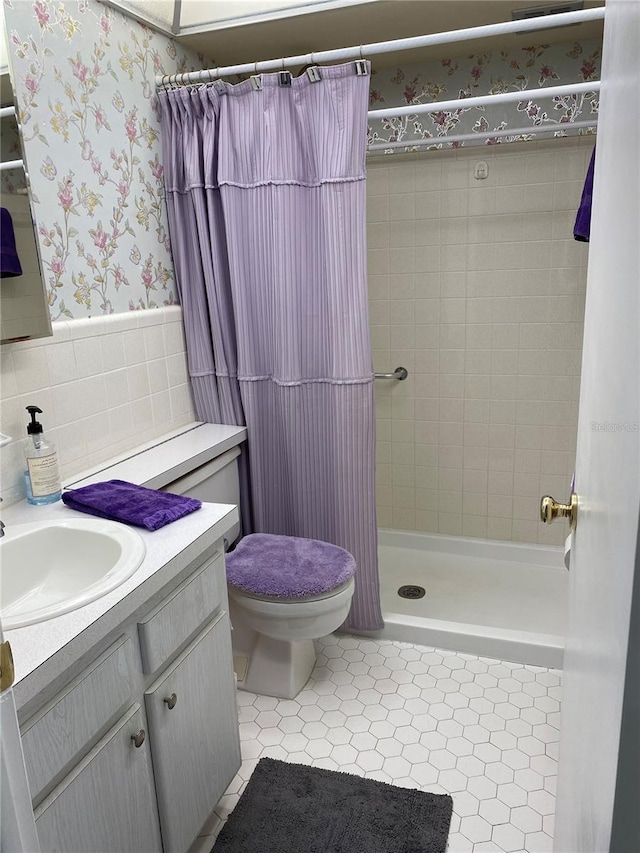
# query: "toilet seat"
{"type": "Point", "coordinates": [237, 591]}
{"type": "Point", "coordinates": [288, 568]}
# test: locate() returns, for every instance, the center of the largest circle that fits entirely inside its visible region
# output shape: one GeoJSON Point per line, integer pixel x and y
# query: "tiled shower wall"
{"type": "Point", "coordinates": [477, 288]}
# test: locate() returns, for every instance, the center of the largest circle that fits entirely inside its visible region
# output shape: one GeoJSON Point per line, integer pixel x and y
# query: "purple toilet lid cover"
{"type": "Point", "coordinates": [287, 566]}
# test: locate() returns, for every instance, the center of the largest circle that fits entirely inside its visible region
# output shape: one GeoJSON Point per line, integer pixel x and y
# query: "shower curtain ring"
{"type": "Point", "coordinates": [361, 54]}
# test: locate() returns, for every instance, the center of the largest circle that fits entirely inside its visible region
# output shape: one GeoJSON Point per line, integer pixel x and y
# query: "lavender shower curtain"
{"type": "Point", "coordinates": [266, 200]}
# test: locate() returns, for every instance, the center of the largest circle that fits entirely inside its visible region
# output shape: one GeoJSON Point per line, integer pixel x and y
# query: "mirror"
{"type": "Point", "coordinates": [24, 313]}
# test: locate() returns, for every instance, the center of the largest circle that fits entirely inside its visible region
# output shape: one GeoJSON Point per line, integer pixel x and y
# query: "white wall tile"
{"type": "Point", "coordinates": [30, 366]}
{"type": "Point", "coordinates": [401, 178]}
{"type": "Point", "coordinates": [510, 199]}
{"type": "Point", "coordinates": [499, 368]}
{"type": "Point", "coordinates": [62, 364]}
{"type": "Point", "coordinates": [452, 337]}
{"type": "Point", "coordinates": [538, 196]}
{"type": "Point", "coordinates": [427, 231]}
{"type": "Point", "coordinates": [482, 201]}
{"type": "Point", "coordinates": [117, 388]}
{"type": "Point", "coordinates": [428, 205]}
{"type": "Point", "coordinates": [113, 355]}
{"type": "Point", "coordinates": [450, 523]}
{"type": "Point", "coordinates": [378, 235]}
{"type": "Point", "coordinates": [94, 384]}
{"type": "Point", "coordinates": [378, 208]}
{"type": "Point", "coordinates": [500, 506]}
{"type": "Point", "coordinates": [88, 352]}
{"type": "Point", "coordinates": [377, 181]}
{"type": "Point", "coordinates": [396, 234]}
{"type": "Point", "coordinates": [499, 528]}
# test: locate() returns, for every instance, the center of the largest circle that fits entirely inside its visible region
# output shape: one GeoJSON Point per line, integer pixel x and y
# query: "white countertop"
{"type": "Point", "coordinates": [44, 650]}
{"type": "Point", "coordinates": [168, 457]}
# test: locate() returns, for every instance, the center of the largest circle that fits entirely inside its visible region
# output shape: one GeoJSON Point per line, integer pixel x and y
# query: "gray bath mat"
{"type": "Point", "coordinates": [292, 808]}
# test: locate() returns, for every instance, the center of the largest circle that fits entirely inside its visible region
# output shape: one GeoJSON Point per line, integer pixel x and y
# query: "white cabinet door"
{"type": "Point", "coordinates": [193, 726]}
{"type": "Point", "coordinates": [107, 803]}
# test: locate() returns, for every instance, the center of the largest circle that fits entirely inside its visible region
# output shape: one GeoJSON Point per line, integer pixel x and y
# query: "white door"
{"type": "Point", "coordinates": [599, 766]}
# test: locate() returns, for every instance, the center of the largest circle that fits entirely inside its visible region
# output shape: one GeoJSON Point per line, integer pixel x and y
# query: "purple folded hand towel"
{"type": "Point", "coordinates": [118, 500]}
{"type": "Point", "coordinates": [582, 227]}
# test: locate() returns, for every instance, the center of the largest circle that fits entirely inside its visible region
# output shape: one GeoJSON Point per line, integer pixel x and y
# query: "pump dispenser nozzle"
{"type": "Point", "coordinates": [35, 426]}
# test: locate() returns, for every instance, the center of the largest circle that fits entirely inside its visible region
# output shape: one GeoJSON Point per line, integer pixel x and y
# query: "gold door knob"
{"type": "Point", "coordinates": [550, 509]}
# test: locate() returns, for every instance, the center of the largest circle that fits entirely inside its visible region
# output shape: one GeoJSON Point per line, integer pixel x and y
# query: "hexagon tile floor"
{"type": "Point", "coordinates": [482, 730]}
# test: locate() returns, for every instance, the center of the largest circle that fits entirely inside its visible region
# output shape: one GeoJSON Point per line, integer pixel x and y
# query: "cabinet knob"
{"type": "Point", "coordinates": [138, 738]}
{"type": "Point", "coordinates": [171, 701]}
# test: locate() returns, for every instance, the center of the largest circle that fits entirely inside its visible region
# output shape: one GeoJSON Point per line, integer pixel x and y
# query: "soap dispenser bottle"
{"type": "Point", "coordinates": [42, 477]}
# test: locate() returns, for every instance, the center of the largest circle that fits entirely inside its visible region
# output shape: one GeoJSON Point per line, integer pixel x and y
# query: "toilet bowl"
{"type": "Point", "coordinates": [273, 634]}
{"type": "Point", "coordinates": [273, 638]}
{"type": "Point", "coordinates": [287, 592]}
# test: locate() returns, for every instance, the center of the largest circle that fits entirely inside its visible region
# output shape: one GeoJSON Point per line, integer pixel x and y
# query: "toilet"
{"type": "Point", "coordinates": [288, 592]}
{"type": "Point", "coordinates": [284, 591]}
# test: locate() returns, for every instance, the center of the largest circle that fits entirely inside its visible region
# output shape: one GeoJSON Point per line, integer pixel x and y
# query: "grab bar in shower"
{"type": "Point", "coordinates": [399, 373]}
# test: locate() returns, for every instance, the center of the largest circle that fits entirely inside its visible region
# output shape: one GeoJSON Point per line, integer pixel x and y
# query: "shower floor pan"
{"type": "Point", "coordinates": [493, 599]}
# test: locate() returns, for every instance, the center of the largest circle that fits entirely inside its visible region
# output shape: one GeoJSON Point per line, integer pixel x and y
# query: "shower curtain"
{"type": "Point", "coordinates": [266, 199]}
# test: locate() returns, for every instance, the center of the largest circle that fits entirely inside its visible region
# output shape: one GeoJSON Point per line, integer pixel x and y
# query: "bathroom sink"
{"type": "Point", "coordinates": [49, 568]}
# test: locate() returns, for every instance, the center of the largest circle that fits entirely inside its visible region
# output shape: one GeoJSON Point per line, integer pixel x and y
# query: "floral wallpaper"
{"type": "Point", "coordinates": [488, 73]}
{"type": "Point", "coordinates": [84, 79]}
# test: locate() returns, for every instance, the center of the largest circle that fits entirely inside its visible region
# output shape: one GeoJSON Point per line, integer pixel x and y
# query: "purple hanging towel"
{"type": "Point", "coordinates": [9, 260]}
{"type": "Point", "coordinates": [582, 227]}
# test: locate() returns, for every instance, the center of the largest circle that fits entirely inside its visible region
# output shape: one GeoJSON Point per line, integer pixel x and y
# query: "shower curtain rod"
{"type": "Point", "coordinates": [485, 134]}
{"type": "Point", "coordinates": [483, 100]}
{"type": "Point", "coordinates": [366, 50]}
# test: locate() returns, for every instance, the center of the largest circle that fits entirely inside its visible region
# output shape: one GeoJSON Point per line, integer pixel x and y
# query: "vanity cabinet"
{"type": "Point", "coordinates": [133, 754]}
{"type": "Point", "coordinates": [107, 803]}
{"type": "Point", "coordinates": [192, 722]}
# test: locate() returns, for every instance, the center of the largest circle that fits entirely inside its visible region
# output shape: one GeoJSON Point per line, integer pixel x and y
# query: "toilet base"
{"type": "Point", "coordinates": [279, 668]}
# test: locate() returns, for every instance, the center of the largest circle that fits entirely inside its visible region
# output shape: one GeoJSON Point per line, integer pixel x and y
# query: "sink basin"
{"type": "Point", "coordinates": [49, 568]}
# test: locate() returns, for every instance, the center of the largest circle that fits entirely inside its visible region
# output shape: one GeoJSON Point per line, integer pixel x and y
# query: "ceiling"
{"type": "Point", "coordinates": [234, 42]}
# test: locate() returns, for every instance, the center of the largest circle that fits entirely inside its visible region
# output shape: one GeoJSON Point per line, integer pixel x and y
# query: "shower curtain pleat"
{"type": "Point", "coordinates": [266, 198]}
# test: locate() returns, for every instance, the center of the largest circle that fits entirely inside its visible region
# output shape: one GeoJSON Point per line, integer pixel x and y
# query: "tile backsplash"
{"type": "Point", "coordinates": [105, 385]}
{"type": "Point", "coordinates": [477, 288]}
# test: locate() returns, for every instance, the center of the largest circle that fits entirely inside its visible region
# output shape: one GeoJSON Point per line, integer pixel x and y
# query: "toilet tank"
{"type": "Point", "coordinates": [214, 482]}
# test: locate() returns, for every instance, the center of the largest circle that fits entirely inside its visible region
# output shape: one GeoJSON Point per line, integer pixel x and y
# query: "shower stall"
{"type": "Point", "coordinates": [475, 171]}
{"type": "Point", "coordinates": [477, 288]}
